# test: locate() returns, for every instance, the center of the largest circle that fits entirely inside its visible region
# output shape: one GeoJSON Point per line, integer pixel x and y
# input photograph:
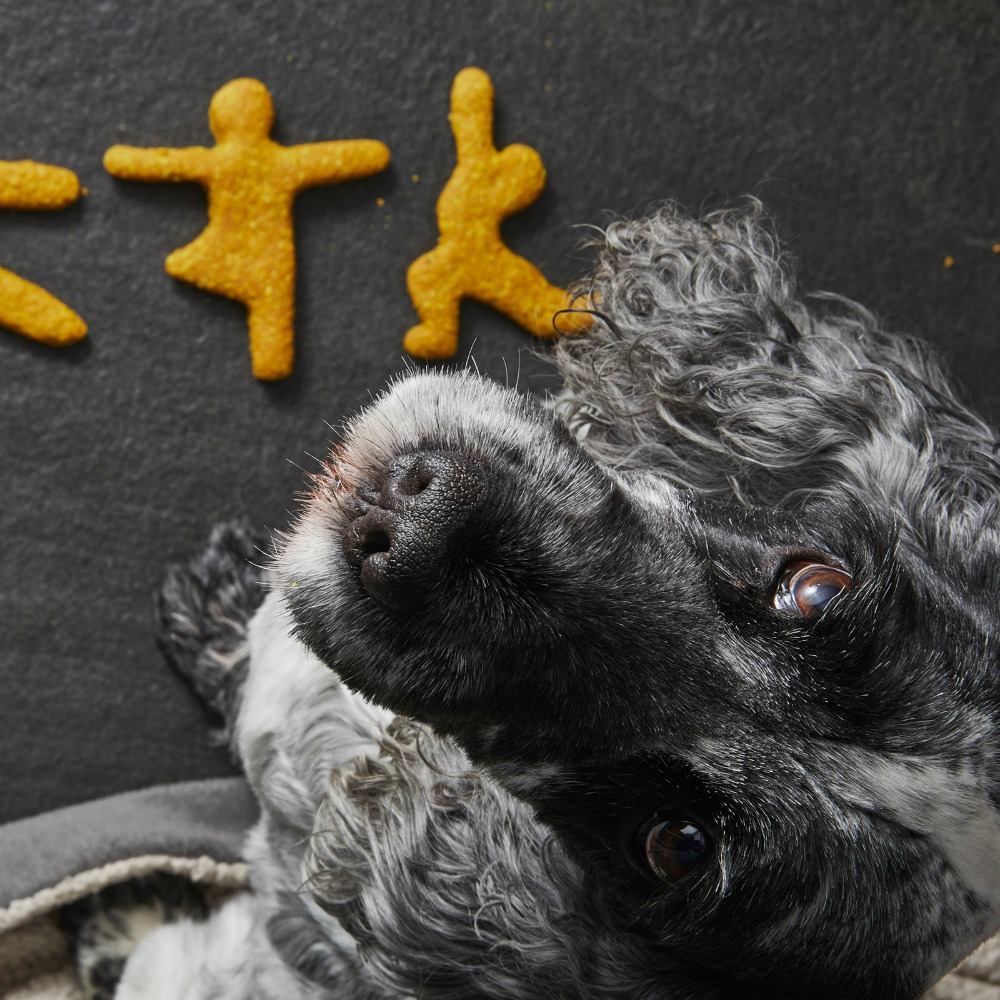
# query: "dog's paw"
{"type": "Point", "coordinates": [205, 607]}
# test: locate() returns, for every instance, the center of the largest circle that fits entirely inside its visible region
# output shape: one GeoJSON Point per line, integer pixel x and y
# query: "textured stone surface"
{"type": "Point", "coordinates": [870, 129]}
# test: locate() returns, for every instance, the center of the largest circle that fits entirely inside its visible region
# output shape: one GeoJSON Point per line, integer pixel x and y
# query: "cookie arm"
{"type": "Point", "coordinates": [133, 163]}
{"type": "Point", "coordinates": [29, 185]}
{"type": "Point", "coordinates": [35, 313]}
{"type": "Point", "coordinates": [471, 115]}
{"type": "Point", "coordinates": [331, 162]}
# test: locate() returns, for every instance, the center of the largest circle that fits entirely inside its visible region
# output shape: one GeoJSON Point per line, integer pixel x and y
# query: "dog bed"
{"type": "Point", "coordinates": [194, 829]}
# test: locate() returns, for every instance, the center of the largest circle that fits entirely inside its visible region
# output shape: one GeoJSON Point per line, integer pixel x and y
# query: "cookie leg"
{"type": "Point", "coordinates": [33, 312]}
{"type": "Point", "coordinates": [431, 281]}
{"type": "Point", "coordinates": [272, 336]}
{"type": "Point", "coordinates": [515, 287]}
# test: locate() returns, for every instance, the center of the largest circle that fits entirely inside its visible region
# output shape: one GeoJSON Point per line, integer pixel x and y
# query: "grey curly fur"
{"type": "Point", "coordinates": [709, 368]}
{"type": "Point", "coordinates": [572, 612]}
{"type": "Point", "coordinates": [203, 609]}
{"type": "Point", "coordinates": [471, 896]}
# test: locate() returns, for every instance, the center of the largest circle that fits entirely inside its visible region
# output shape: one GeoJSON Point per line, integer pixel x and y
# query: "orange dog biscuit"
{"type": "Point", "coordinates": [247, 250]}
{"type": "Point", "coordinates": [26, 308]}
{"type": "Point", "coordinates": [471, 260]}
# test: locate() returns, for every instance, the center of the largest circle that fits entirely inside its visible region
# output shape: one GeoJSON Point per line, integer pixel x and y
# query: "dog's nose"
{"type": "Point", "coordinates": [414, 525]}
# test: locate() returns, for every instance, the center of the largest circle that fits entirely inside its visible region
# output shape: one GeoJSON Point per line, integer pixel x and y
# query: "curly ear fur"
{"type": "Point", "coordinates": [708, 367]}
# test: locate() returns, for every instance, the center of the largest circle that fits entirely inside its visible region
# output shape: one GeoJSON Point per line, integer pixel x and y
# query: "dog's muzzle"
{"type": "Point", "coordinates": [410, 524]}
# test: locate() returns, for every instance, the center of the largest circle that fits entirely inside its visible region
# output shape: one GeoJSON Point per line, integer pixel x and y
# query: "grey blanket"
{"type": "Point", "coordinates": [188, 820]}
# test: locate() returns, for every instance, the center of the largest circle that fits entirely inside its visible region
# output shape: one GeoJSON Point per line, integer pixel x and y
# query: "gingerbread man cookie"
{"type": "Point", "coordinates": [471, 259]}
{"type": "Point", "coordinates": [247, 251]}
{"type": "Point", "coordinates": [26, 308]}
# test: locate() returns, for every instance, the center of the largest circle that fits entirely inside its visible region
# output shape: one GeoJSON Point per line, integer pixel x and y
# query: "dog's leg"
{"type": "Point", "coordinates": [201, 959]}
{"type": "Point", "coordinates": [205, 608]}
{"type": "Point", "coordinates": [289, 718]}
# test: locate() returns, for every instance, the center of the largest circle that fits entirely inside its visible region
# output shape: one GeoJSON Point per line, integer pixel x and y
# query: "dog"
{"type": "Point", "coordinates": [679, 685]}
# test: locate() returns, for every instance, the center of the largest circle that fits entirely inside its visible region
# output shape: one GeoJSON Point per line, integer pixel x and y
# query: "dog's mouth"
{"type": "Point", "coordinates": [410, 524]}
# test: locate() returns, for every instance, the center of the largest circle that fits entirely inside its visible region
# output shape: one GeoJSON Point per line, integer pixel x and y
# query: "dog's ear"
{"type": "Point", "coordinates": [703, 363]}
{"type": "Point", "coordinates": [707, 365]}
{"type": "Point", "coordinates": [715, 276]}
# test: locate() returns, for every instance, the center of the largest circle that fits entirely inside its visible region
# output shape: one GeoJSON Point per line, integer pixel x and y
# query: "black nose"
{"type": "Point", "coordinates": [415, 525]}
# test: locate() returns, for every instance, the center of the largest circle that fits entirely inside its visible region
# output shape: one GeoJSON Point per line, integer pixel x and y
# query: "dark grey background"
{"type": "Point", "coordinates": [871, 130]}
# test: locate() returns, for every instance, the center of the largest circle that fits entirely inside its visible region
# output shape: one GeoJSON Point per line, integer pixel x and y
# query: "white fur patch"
{"type": "Point", "coordinates": [652, 492]}
{"type": "Point", "coordinates": [461, 411]}
{"type": "Point", "coordinates": [312, 552]}
{"type": "Point", "coordinates": [195, 958]}
{"type": "Point", "coordinates": [943, 804]}
{"type": "Point", "coordinates": [295, 708]}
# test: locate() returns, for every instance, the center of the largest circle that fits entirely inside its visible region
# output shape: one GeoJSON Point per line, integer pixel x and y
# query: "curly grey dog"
{"type": "Point", "coordinates": [681, 686]}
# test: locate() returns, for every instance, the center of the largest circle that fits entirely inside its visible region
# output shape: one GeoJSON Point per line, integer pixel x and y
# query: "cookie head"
{"type": "Point", "coordinates": [243, 107]}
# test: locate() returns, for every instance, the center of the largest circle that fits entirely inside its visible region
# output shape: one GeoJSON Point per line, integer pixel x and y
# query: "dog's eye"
{"type": "Point", "coordinates": [807, 588]}
{"type": "Point", "coordinates": [674, 848]}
